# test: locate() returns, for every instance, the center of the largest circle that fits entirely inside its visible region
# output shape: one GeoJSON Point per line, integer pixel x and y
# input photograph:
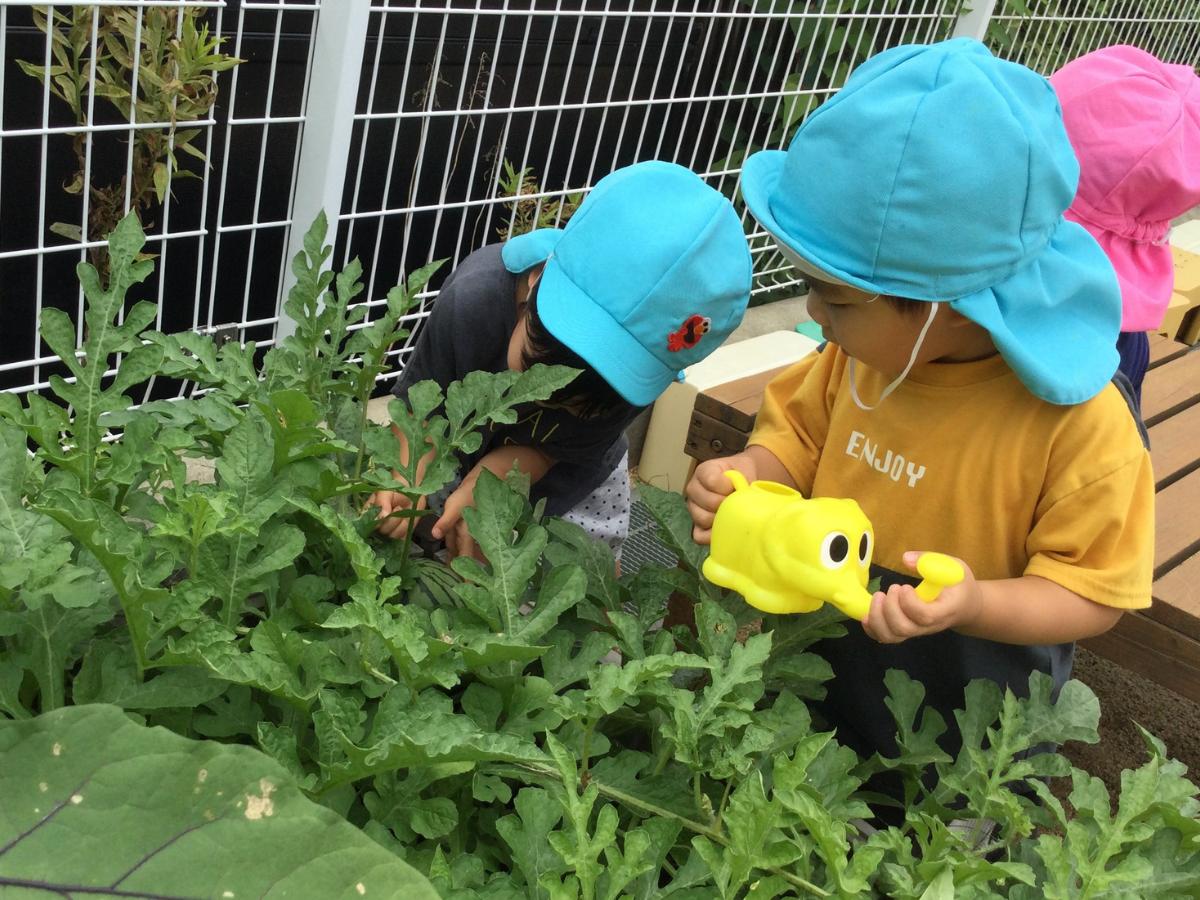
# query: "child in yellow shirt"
{"type": "Point", "coordinates": [966, 396]}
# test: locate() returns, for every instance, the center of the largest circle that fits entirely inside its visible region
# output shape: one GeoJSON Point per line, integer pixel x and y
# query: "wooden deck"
{"type": "Point", "coordinates": [1162, 643]}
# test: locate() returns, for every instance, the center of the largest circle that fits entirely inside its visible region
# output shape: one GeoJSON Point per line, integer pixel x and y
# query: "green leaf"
{"type": "Point", "coordinates": [162, 181]}
{"type": "Point", "coordinates": [706, 727]}
{"type": "Point", "coordinates": [525, 831]}
{"type": "Point", "coordinates": [104, 335]}
{"type": "Point", "coordinates": [45, 638]}
{"type": "Point", "coordinates": [995, 757]}
{"type": "Point", "coordinates": [121, 549]}
{"type": "Point", "coordinates": [611, 687]}
{"type": "Point", "coordinates": [108, 675]}
{"type": "Point", "coordinates": [633, 773]}
{"type": "Point", "coordinates": [69, 230]}
{"type": "Point", "coordinates": [570, 544]}
{"type": "Point", "coordinates": [496, 593]}
{"type": "Point", "coordinates": [579, 845]}
{"type": "Point", "coordinates": [404, 807]}
{"type": "Point", "coordinates": [140, 806]}
{"type": "Point", "coordinates": [916, 741]}
{"type": "Point", "coordinates": [750, 819]}
{"type": "Point", "coordinates": [22, 531]}
{"type": "Point", "coordinates": [483, 397]}
{"type": "Point", "coordinates": [421, 733]}
{"type": "Point", "coordinates": [1148, 846]}
{"type": "Point", "coordinates": [815, 787]}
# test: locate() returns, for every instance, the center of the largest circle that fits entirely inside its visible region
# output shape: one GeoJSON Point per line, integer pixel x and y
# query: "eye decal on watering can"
{"type": "Point", "coordinates": [835, 550]}
{"type": "Point", "coordinates": [788, 554]}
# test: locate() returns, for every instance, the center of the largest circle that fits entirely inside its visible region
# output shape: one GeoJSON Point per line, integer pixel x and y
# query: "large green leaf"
{"type": "Point", "coordinates": [94, 803]}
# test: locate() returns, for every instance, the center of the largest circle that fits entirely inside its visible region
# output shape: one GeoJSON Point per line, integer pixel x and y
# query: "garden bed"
{"type": "Point", "coordinates": [471, 719]}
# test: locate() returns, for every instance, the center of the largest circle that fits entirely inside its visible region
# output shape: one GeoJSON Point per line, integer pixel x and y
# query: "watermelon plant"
{"type": "Point", "coordinates": [524, 727]}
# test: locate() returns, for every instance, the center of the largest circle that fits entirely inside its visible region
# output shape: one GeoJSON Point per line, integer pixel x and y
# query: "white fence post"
{"type": "Point", "coordinates": [337, 56]}
{"type": "Point", "coordinates": [973, 22]}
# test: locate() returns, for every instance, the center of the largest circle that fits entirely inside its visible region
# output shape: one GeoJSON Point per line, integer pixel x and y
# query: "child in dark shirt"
{"type": "Point", "coordinates": [650, 275]}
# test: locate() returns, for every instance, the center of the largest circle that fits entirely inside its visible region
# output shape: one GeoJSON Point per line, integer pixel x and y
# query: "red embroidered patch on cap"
{"type": "Point", "coordinates": [689, 333]}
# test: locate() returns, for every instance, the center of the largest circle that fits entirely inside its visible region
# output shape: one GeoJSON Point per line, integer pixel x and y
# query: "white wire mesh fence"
{"type": "Point", "coordinates": [219, 237]}
{"type": "Point", "coordinates": [427, 128]}
{"type": "Point", "coordinates": [464, 107]}
{"type": "Point", "coordinates": [1047, 34]}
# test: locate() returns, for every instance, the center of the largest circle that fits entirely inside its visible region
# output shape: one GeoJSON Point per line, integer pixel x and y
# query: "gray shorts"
{"type": "Point", "coordinates": [603, 514]}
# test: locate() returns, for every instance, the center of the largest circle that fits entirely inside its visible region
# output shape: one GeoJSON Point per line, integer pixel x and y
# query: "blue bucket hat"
{"type": "Point", "coordinates": [941, 173]}
{"type": "Point", "coordinates": [649, 276]}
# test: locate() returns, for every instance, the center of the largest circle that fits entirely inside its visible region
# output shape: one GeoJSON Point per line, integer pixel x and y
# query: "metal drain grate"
{"type": "Point", "coordinates": [643, 546]}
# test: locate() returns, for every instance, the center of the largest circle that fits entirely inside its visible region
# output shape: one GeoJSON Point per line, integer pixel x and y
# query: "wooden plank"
{"type": "Point", "coordinates": [709, 437]}
{"type": "Point", "coordinates": [1189, 328]}
{"type": "Point", "coordinates": [1171, 388]}
{"type": "Point", "coordinates": [1176, 523]}
{"type": "Point", "coordinates": [744, 394]}
{"type": "Point", "coordinates": [722, 412]}
{"type": "Point", "coordinates": [1177, 598]}
{"type": "Point", "coordinates": [1154, 651]}
{"type": "Point", "coordinates": [1164, 349]}
{"type": "Point", "coordinates": [1175, 448]}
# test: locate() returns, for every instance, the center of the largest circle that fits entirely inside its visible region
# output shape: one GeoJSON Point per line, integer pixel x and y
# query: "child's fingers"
{"type": "Point", "coordinates": [871, 624]}
{"type": "Point", "coordinates": [889, 624]}
{"type": "Point", "coordinates": [459, 500]}
{"type": "Point", "coordinates": [702, 498]}
{"type": "Point", "coordinates": [397, 526]}
{"type": "Point", "coordinates": [702, 516]}
{"type": "Point", "coordinates": [705, 492]}
{"type": "Point", "coordinates": [923, 615]}
{"type": "Point", "coordinates": [711, 477]}
{"type": "Point", "coordinates": [381, 500]}
{"type": "Point", "coordinates": [702, 520]}
{"type": "Point", "coordinates": [388, 502]}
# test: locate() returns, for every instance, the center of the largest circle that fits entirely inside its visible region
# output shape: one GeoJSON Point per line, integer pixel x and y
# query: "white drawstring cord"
{"type": "Point", "coordinates": [912, 359]}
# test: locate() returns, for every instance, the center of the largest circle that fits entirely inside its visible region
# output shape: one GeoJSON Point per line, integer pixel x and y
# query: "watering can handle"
{"type": "Point", "coordinates": [937, 571]}
{"type": "Point", "coordinates": [738, 479]}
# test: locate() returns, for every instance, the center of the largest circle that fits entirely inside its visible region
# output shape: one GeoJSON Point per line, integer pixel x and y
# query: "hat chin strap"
{"type": "Point", "coordinates": [912, 359]}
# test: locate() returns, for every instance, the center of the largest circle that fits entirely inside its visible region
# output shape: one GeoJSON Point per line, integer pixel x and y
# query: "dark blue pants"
{"type": "Point", "coordinates": [1134, 347]}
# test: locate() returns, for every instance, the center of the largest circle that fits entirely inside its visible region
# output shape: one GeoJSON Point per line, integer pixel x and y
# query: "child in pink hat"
{"type": "Point", "coordinates": [1134, 123]}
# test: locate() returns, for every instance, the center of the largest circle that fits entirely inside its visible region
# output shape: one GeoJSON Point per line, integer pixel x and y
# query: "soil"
{"type": "Point", "coordinates": [1126, 698]}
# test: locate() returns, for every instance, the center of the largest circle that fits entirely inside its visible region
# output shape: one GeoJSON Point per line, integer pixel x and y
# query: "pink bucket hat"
{"type": "Point", "coordinates": [1134, 123]}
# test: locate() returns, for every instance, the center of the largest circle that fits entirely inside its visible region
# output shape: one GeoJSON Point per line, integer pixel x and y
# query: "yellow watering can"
{"type": "Point", "coordinates": [786, 554]}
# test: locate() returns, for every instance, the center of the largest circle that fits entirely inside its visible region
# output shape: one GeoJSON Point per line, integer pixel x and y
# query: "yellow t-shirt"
{"type": "Point", "coordinates": [963, 459]}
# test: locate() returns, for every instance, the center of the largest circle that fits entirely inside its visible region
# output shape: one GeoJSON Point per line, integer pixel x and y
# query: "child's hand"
{"type": "Point", "coordinates": [709, 486]}
{"type": "Point", "coordinates": [389, 502]}
{"type": "Point", "coordinates": [451, 527]}
{"type": "Point", "coordinates": [900, 614]}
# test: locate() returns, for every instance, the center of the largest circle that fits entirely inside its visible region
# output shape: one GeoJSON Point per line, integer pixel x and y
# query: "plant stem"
{"type": "Point", "coordinates": [721, 806]}
{"type": "Point", "coordinates": [407, 546]}
{"type": "Point", "coordinates": [588, 728]}
{"type": "Point", "coordinates": [362, 429]}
